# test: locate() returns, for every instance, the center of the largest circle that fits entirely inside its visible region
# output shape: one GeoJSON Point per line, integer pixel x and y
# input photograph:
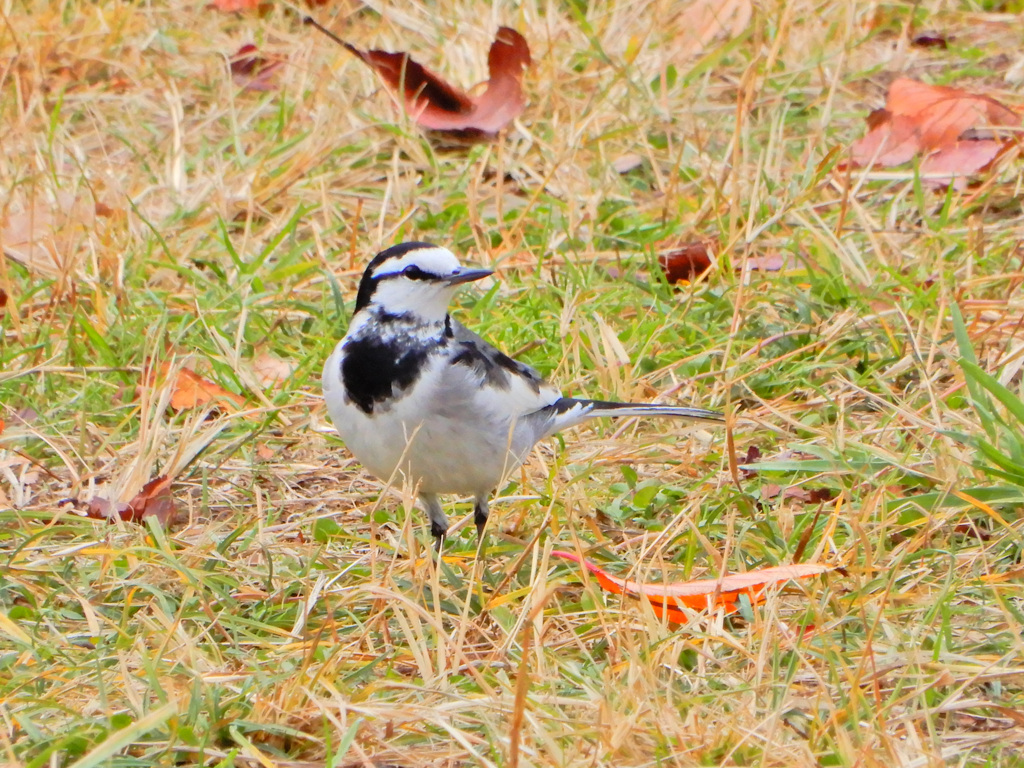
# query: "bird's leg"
{"type": "Point", "coordinates": [480, 512]}
{"type": "Point", "coordinates": [438, 519]}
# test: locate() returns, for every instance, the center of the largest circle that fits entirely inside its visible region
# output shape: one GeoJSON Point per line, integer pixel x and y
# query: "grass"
{"type": "Point", "coordinates": [293, 616]}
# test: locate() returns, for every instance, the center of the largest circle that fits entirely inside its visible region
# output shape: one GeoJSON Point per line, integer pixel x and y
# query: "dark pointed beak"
{"type": "Point", "coordinates": [463, 275]}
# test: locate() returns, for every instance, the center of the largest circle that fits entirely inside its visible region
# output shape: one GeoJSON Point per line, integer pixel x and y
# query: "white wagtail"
{"type": "Point", "coordinates": [419, 398]}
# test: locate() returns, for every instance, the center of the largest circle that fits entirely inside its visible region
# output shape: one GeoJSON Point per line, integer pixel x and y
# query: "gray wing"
{"type": "Point", "coordinates": [493, 367]}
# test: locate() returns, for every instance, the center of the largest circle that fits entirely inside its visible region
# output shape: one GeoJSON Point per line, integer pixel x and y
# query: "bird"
{"type": "Point", "coordinates": [418, 397]}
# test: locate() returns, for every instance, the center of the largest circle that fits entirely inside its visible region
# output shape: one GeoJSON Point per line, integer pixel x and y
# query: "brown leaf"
{"type": "Point", "coordinates": [685, 262]}
{"type": "Point", "coordinates": [688, 261]}
{"type": "Point", "coordinates": [3, 298]}
{"type": "Point", "coordinates": [930, 40]}
{"type": "Point", "coordinates": [154, 500]}
{"type": "Point", "coordinates": [668, 599]}
{"type": "Point", "coordinates": [253, 72]}
{"type": "Point", "coordinates": [439, 106]}
{"type": "Point", "coordinates": [797, 493]}
{"type": "Point", "coordinates": [752, 455]}
{"type": "Point", "coordinates": [940, 122]}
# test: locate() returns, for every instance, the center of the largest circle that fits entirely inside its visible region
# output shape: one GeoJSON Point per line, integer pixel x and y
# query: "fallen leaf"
{"type": "Point", "coordinates": [702, 21]}
{"type": "Point", "coordinates": [626, 163]}
{"type": "Point", "coordinates": [253, 72]}
{"type": "Point", "coordinates": [962, 158]}
{"type": "Point", "coordinates": [930, 40]}
{"type": "Point", "coordinates": [668, 600]}
{"type": "Point", "coordinates": [797, 493]}
{"type": "Point", "coordinates": [154, 500]}
{"type": "Point", "coordinates": [688, 261]}
{"type": "Point", "coordinates": [752, 455]}
{"type": "Point", "coordinates": [444, 109]}
{"type": "Point", "coordinates": [190, 390]}
{"type": "Point", "coordinates": [45, 236]}
{"type": "Point", "coordinates": [193, 391]}
{"type": "Point", "coordinates": [949, 127]}
{"type": "Point", "coordinates": [238, 6]}
{"type": "Point", "coordinates": [685, 262]}
{"type": "Point", "coordinates": [272, 371]}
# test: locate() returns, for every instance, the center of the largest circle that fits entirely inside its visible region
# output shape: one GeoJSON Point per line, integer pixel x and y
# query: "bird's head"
{"type": "Point", "coordinates": [417, 279]}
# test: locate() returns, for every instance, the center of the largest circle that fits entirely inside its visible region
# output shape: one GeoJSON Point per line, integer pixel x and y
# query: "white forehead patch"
{"type": "Point", "coordinates": [435, 261]}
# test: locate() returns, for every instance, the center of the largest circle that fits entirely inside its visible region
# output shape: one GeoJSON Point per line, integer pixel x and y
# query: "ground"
{"type": "Point", "coordinates": [862, 329]}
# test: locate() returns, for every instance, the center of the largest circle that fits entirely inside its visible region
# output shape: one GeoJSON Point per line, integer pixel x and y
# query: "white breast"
{"type": "Point", "coordinates": [447, 434]}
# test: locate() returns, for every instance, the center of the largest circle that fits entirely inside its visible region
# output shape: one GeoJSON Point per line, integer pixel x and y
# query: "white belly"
{"type": "Point", "coordinates": [441, 442]}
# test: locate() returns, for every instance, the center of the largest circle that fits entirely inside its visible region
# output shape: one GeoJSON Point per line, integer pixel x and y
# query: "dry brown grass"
{"type": "Point", "coordinates": [293, 617]}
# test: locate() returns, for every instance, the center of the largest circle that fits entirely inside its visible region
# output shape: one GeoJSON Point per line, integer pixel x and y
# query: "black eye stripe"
{"type": "Point", "coordinates": [412, 272]}
{"type": "Point", "coordinates": [415, 273]}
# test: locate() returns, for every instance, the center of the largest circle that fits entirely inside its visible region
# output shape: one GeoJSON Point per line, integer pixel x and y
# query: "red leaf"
{"type": "Point", "coordinates": [439, 106]}
{"type": "Point", "coordinates": [238, 6]}
{"type": "Point", "coordinates": [668, 599]}
{"type": "Point", "coordinates": [253, 72]}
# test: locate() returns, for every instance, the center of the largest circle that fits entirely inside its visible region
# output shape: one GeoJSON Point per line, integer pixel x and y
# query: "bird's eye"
{"type": "Point", "coordinates": [414, 273]}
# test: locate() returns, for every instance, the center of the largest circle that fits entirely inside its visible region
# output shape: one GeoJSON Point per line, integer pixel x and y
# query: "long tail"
{"type": "Point", "coordinates": [570, 411]}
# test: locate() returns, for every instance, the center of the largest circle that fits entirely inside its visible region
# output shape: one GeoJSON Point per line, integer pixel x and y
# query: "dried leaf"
{"type": "Point", "coordinates": [45, 236]}
{"type": "Point", "coordinates": [253, 72]}
{"type": "Point", "coordinates": [797, 493]}
{"type": "Point", "coordinates": [240, 6]}
{"type": "Point", "coordinates": [190, 390]}
{"type": "Point", "coordinates": [272, 371]}
{"type": "Point", "coordinates": [668, 600]}
{"type": "Point", "coordinates": [154, 500]}
{"type": "Point", "coordinates": [439, 106]}
{"type": "Point", "coordinates": [752, 455]}
{"type": "Point", "coordinates": [688, 261]}
{"type": "Point", "coordinates": [685, 262]}
{"type": "Point", "coordinates": [702, 21]}
{"type": "Point", "coordinates": [947, 125]}
{"type": "Point", "coordinates": [193, 391]}
{"type": "Point", "coordinates": [930, 40]}
{"type": "Point", "coordinates": [627, 162]}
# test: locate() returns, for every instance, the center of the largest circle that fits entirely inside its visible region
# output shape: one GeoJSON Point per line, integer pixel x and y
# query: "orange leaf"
{"type": "Point", "coordinates": [439, 106]}
{"type": "Point", "coordinates": [668, 599]}
{"type": "Point", "coordinates": [193, 391]}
